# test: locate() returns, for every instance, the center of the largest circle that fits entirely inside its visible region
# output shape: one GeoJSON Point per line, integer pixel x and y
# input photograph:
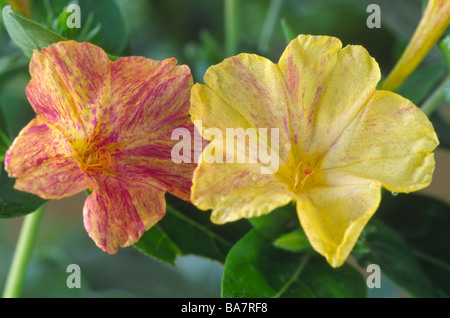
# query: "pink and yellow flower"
{"type": "Point", "coordinates": [104, 126]}
{"type": "Point", "coordinates": [340, 140]}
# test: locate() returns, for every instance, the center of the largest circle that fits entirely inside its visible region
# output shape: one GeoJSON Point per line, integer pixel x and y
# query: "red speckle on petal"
{"type": "Point", "coordinates": [405, 109]}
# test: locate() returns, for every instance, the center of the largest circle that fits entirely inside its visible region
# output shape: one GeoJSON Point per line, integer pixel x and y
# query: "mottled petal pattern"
{"type": "Point", "coordinates": [334, 214]}
{"type": "Point", "coordinates": [119, 211]}
{"type": "Point", "coordinates": [148, 159]}
{"type": "Point", "coordinates": [254, 82]}
{"type": "Point", "coordinates": [144, 96]}
{"type": "Point", "coordinates": [68, 85]}
{"type": "Point", "coordinates": [389, 141]}
{"type": "Point", "coordinates": [44, 162]}
{"type": "Point", "coordinates": [236, 190]}
{"type": "Point", "coordinates": [327, 86]}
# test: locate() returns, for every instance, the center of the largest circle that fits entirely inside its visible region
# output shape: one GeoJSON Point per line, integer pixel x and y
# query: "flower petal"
{"type": "Point", "coordinates": [333, 216]}
{"type": "Point", "coordinates": [327, 86]}
{"type": "Point", "coordinates": [145, 95]}
{"type": "Point", "coordinates": [236, 190]}
{"type": "Point", "coordinates": [244, 91]}
{"type": "Point", "coordinates": [43, 161]}
{"type": "Point", "coordinates": [390, 141]}
{"type": "Point", "coordinates": [67, 87]}
{"type": "Point", "coordinates": [148, 159]}
{"type": "Point", "coordinates": [118, 212]}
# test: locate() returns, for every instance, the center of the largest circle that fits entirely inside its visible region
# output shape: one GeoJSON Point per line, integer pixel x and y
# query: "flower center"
{"type": "Point", "coordinates": [97, 160]}
{"type": "Point", "coordinates": [303, 173]}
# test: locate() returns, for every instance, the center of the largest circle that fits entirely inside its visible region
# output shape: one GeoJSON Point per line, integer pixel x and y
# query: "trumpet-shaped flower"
{"type": "Point", "coordinates": [434, 22]}
{"type": "Point", "coordinates": [104, 126]}
{"type": "Point", "coordinates": [340, 140]}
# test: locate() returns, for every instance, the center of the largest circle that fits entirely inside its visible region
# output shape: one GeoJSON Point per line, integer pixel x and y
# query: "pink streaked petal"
{"type": "Point", "coordinates": [43, 161]}
{"type": "Point", "coordinates": [236, 190]}
{"type": "Point", "coordinates": [245, 91]}
{"type": "Point", "coordinates": [68, 85]}
{"type": "Point", "coordinates": [118, 212]}
{"type": "Point", "coordinates": [56, 179]}
{"type": "Point", "coordinates": [390, 141]}
{"type": "Point", "coordinates": [327, 85]}
{"type": "Point", "coordinates": [148, 160]}
{"type": "Point", "coordinates": [146, 95]}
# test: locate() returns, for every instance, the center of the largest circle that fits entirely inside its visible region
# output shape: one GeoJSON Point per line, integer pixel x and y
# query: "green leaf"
{"type": "Point", "coordinates": [61, 26]}
{"type": "Point", "coordinates": [14, 203]}
{"type": "Point", "coordinates": [421, 82]}
{"type": "Point", "coordinates": [255, 268]}
{"type": "Point", "coordinates": [210, 46]}
{"type": "Point", "coordinates": [396, 259]}
{"type": "Point", "coordinates": [445, 49]}
{"type": "Point", "coordinates": [295, 241]}
{"type": "Point", "coordinates": [11, 65]}
{"type": "Point", "coordinates": [27, 34]}
{"type": "Point", "coordinates": [45, 12]}
{"type": "Point", "coordinates": [4, 140]}
{"type": "Point", "coordinates": [186, 230]}
{"type": "Point", "coordinates": [2, 5]}
{"type": "Point", "coordinates": [157, 243]}
{"type": "Point", "coordinates": [204, 54]}
{"type": "Point", "coordinates": [424, 224]}
{"type": "Point", "coordinates": [447, 94]}
{"type": "Point", "coordinates": [277, 222]}
{"type": "Point", "coordinates": [289, 35]}
{"type": "Point", "coordinates": [114, 32]}
{"type": "Point", "coordinates": [441, 124]}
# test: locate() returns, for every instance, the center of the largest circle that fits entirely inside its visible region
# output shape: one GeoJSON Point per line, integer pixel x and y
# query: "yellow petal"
{"type": "Point", "coordinates": [327, 86]}
{"type": "Point", "coordinates": [241, 92]}
{"type": "Point", "coordinates": [236, 190]}
{"type": "Point", "coordinates": [333, 215]}
{"type": "Point", "coordinates": [390, 141]}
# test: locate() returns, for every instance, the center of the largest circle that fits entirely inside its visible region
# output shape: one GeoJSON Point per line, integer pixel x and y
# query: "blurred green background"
{"type": "Point", "coordinates": [193, 32]}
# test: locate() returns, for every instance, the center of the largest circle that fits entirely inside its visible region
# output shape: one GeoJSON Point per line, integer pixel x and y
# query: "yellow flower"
{"type": "Point", "coordinates": [433, 24]}
{"type": "Point", "coordinates": [340, 140]}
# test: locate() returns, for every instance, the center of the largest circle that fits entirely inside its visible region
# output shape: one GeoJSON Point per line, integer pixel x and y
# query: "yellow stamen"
{"type": "Point", "coordinates": [301, 176]}
{"type": "Point", "coordinates": [96, 161]}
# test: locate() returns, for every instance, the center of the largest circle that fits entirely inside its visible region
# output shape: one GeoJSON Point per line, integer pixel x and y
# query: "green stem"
{"type": "Point", "coordinates": [430, 105]}
{"type": "Point", "coordinates": [49, 11]}
{"type": "Point", "coordinates": [431, 259]}
{"type": "Point", "coordinates": [296, 274]}
{"type": "Point", "coordinates": [269, 25]}
{"type": "Point", "coordinates": [231, 27]}
{"type": "Point", "coordinates": [22, 255]}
